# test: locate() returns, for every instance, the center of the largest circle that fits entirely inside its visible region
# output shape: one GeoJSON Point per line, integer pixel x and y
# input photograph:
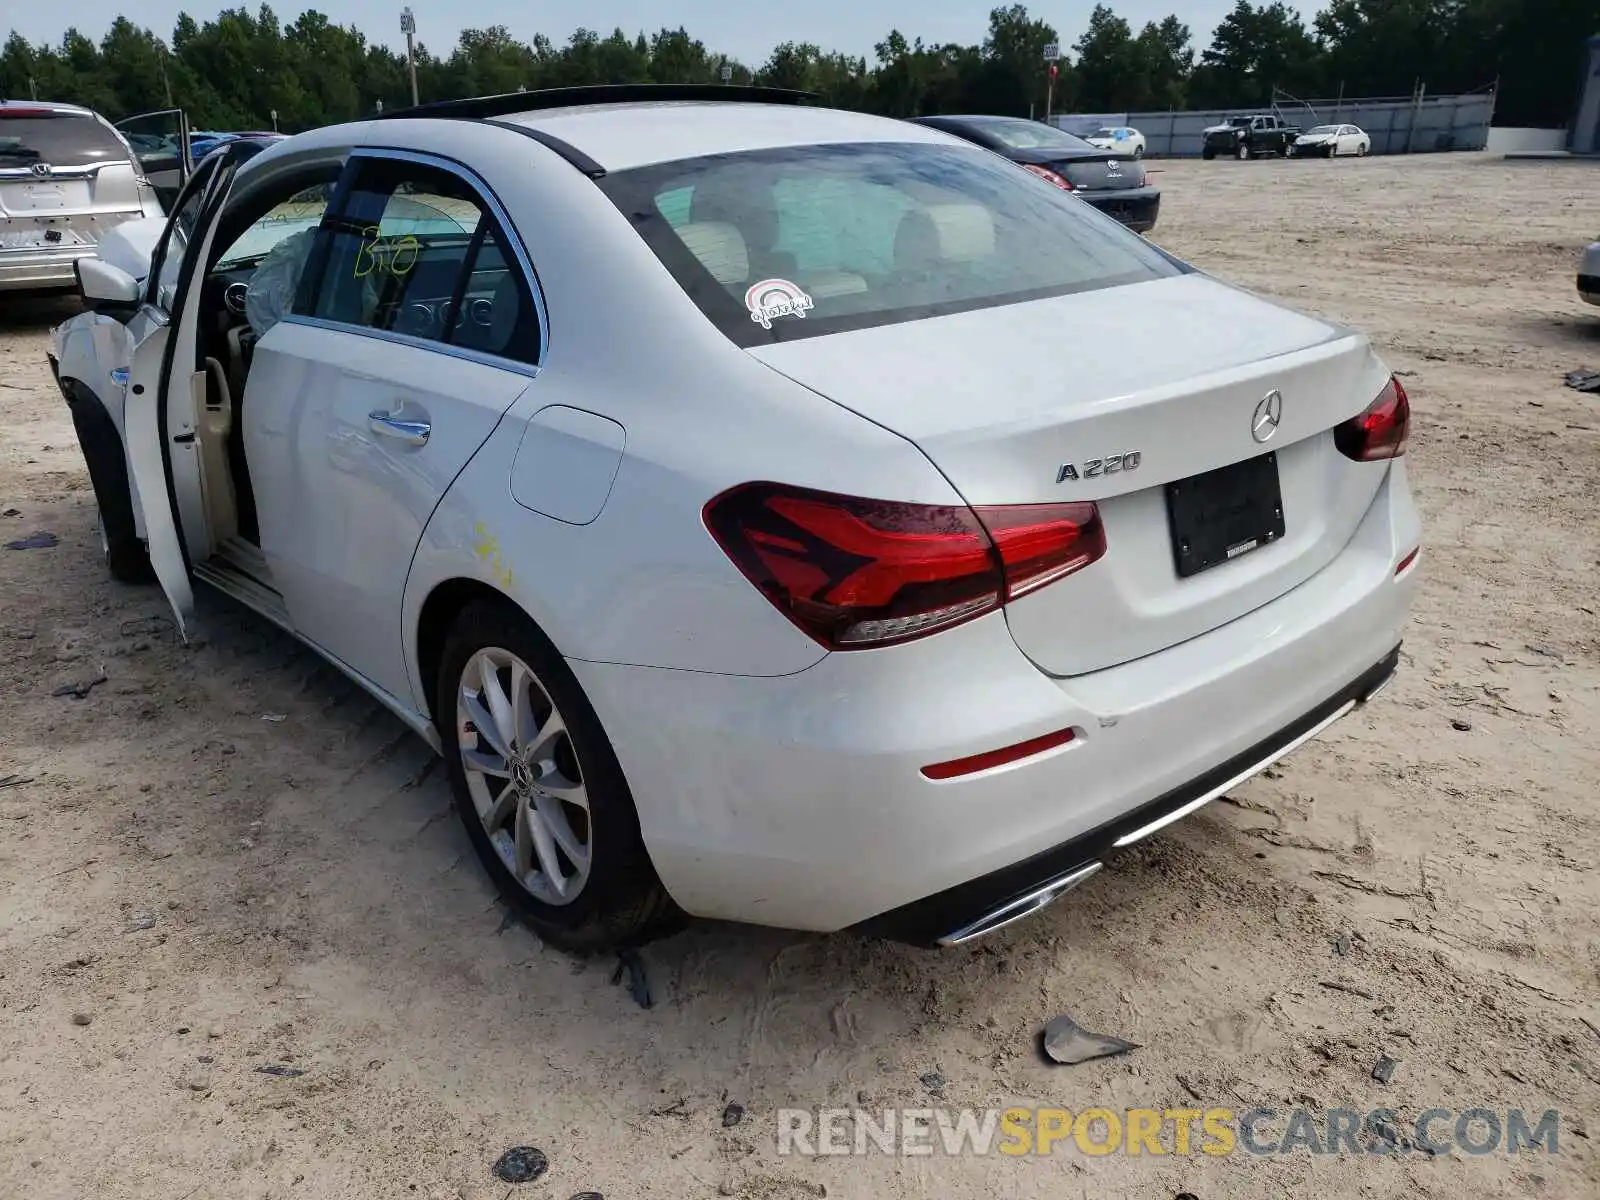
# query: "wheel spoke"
{"type": "Point", "coordinates": [499, 706]}
{"type": "Point", "coordinates": [562, 788]}
{"type": "Point", "coordinates": [550, 733]}
{"type": "Point", "coordinates": [503, 809]}
{"type": "Point", "coordinates": [545, 844]}
{"type": "Point", "coordinates": [524, 842]}
{"type": "Point", "coordinates": [487, 764]}
{"type": "Point", "coordinates": [523, 719]}
{"type": "Point", "coordinates": [555, 818]}
{"type": "Point", "coordinates": [483, 723]}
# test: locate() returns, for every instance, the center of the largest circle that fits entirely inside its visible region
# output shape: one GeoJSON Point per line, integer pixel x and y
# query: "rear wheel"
{"type": "Point", "coordinates": [125, 555]}
{"type": "Point", "coordinates": [1244, 151]}
{"type": "Point", "coordinates": [1361, 149]}
{"type": "Point", "coordinates": [1208, 153]}
{"type": "Point", "coordinates": [539, 788]}
{"type": "Point", "coordinates": [1138, 152]}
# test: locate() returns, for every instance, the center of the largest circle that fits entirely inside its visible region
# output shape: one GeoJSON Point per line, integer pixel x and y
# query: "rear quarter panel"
{"type": "Point", "coordinates": [643, 582]}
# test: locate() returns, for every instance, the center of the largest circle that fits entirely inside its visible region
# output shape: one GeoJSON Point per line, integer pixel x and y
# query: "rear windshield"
{"type": "Point", "coordinates": [60, 140]}
{"type": "Point", "coordinates": [775, 245]}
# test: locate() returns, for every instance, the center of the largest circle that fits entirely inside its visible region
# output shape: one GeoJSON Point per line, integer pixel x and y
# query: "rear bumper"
{"type": "Point", "coordinates": [1137, 208]}
{"type": "Point", "coordinates": [26, 270]}
{"type": "Point", "coordinates": [986, 905]}
{"type": "Point", "coordinates": [799, 801]}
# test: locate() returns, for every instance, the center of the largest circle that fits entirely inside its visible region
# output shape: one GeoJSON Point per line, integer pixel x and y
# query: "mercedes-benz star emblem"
{"type": "Point", "coordinates": [1269, 413]}
{"type": "Point", "coordinates": [41, 169]}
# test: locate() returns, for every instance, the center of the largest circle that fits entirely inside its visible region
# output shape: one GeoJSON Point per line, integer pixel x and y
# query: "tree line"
{"type": "Point", "coordinates": [238, 69]}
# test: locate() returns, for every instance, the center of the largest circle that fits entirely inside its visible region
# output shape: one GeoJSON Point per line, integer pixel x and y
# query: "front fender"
{"type": "Point", "coordinates": [94, 353]}
{"type": "Point", "coordinates": [97, 351]}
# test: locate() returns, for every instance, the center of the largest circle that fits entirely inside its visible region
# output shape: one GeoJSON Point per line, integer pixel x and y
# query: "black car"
{"type": "Point", "coordinates": [1114, 183]}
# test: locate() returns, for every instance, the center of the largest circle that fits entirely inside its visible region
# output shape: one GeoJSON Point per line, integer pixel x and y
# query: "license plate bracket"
{"type": "Point", "coordinates": [1222, 514]}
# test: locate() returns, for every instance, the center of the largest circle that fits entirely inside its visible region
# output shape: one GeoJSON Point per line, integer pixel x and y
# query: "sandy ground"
{"type": "Point", "coordinates": [225, 857]}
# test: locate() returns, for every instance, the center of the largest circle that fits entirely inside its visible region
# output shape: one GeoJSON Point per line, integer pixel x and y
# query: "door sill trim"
{"type": "Point", "coordinates": [233, 582]}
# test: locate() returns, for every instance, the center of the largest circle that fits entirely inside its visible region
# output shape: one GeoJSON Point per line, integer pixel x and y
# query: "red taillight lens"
{"type": "Point", "coordinates": [855, 573]}
{"type": "Point", "coordinates": [1047, 173]}
{"type": "Point", "coordinates": [1381, 431]}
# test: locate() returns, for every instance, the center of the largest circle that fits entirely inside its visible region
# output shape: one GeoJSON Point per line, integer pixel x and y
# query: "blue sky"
{"type": "Point", "coordinates": [747, 31]}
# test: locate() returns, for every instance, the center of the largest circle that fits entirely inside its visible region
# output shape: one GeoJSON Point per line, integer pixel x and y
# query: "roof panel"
{"type": "Point", "coordinates": [621, 136]}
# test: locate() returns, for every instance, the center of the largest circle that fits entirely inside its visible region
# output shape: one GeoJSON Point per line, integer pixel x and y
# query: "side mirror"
{"type": "Point", "coordinates": [106, 288]}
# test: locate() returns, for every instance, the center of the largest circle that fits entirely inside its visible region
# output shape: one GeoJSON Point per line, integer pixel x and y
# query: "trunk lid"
{"type": "Point", "coordinates": [1104, 170]}
{"type": "Point", "coordinates": [1172, 370]}
{"type": "Point", "coordinates": [1110, 173]}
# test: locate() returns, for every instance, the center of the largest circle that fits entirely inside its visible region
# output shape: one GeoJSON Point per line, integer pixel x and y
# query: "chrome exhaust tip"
{"type": "Point", "coordinates": [1024, 906]}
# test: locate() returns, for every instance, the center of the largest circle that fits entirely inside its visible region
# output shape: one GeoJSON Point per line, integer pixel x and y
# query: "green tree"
{"type": "Point", "coordinates": [1256, 49]}
{"type": "Point", "coordinates": [1110, 66]}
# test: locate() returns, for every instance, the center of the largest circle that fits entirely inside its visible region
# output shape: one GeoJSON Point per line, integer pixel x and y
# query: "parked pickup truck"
{"type": "Point", "coordinates": [1249, 137]}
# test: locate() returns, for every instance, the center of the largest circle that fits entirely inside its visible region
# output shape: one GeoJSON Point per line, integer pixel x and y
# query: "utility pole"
{"type": "Point", "coordinates": [1052, 52]}
{"type": "Point", "coordinates": [33, 88]}
{"type": "Point", "coordinates": [166, 84]}
{"type": "Point", "coordinates": [408, 26]}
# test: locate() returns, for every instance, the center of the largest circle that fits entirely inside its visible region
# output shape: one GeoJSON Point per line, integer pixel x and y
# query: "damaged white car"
{"type": "Point", "coordinates": [683, 465]}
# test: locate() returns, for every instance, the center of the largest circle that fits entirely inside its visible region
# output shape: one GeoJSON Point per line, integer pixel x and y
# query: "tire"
{"type": "Point", "coordinates": [126, 557]}
{"type": "Point", "coordinates": [1361, 149]}
{"type": "Point", "coordinates": [616, 899]}
{"type": "Point", "coordinates": [1243, 152]}
{"type": "Point", "coordinates": [1208, 153]}
{"type": "Point", "coordinates": [1138, 152]}
{"type": "Point", "coordinates": [1288, 150]}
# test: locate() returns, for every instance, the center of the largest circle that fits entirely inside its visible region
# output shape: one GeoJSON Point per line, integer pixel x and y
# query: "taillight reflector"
{"type": "Point", "coordinates": [1407, 561]}
{"type": "Point", "coordinates": [1047, 173]}
{"type": "Point", "coordinates": [1381, 431]}
{"type": "Point", "coordinates": [855, 573]}
{"type": "Point", "coordinates": [990, 759]}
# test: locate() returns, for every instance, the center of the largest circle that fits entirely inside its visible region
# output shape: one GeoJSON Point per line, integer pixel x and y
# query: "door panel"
{"type": "Point", "coordinates": [346, 477]}
{"type": "Point", "coordinates": [153, 460]}
{"type": "Point", "coordinates": [142, 428]}
{"type": "Point", "coordinates": [160, 142]}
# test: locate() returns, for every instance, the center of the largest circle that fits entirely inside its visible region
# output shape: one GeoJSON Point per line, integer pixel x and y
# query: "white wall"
{"type": "Point", "coordinates": [1503, 140]}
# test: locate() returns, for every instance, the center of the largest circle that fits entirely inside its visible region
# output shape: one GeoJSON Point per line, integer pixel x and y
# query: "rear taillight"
{"type": "Point", "coordinates": [857, 573]}
{"type": "Point", "coordinates": [1381, 431]}
{"type": "Point", "coordinates": [1047, 173]}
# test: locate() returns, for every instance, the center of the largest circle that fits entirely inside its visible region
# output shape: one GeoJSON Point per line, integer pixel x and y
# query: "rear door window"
{"type": "Point", "coordinates": [63, 140]}
{"type": "Point", "coordinates": [416, 251]}
{"type": "Point", "coordinates": [775, 245]}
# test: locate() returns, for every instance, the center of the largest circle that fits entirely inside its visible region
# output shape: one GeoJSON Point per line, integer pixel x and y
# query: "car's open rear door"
{"type": "Point", "coordinates": [160, 142]}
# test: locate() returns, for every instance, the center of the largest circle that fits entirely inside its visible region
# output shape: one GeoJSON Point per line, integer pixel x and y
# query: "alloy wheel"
{"type": "Point", "coordinates": [523, 775]}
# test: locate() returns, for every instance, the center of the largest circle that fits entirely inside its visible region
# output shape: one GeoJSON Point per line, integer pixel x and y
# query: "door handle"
{"type": "Point", "coordinates": [413, 433]}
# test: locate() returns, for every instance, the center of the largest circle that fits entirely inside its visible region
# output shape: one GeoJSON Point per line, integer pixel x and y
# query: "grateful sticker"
{"type": "Point", "coordinates": [774, 298]}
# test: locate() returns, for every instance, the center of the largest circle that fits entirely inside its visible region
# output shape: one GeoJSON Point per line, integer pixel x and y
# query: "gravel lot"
{"type": "Point", "coordinates": [225, 857]}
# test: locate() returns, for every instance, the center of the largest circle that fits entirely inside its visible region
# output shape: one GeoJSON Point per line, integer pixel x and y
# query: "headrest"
{"type": "Point", "coordinates": [742, 200]}
{"type": "Point", "coordinates": [943, 233]}
{"type": "Point", "coordinates": [720, 248]}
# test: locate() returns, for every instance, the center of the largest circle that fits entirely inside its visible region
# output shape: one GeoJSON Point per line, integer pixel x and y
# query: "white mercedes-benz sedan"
{"type": "Point", "coordinates": [744, 499]}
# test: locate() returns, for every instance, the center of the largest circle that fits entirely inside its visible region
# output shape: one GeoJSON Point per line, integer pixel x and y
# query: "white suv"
{"type": "Point", "coordinates": [733, 494]}
{"type": "Point", "coordinates": [68, 177]}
